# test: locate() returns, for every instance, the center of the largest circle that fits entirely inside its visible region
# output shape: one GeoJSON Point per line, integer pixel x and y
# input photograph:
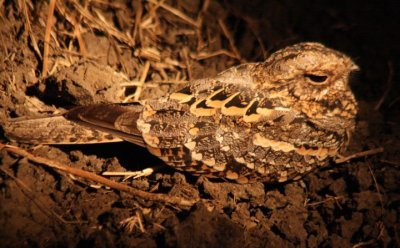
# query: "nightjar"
{"type": "Point", "coordinates": [269, 121]}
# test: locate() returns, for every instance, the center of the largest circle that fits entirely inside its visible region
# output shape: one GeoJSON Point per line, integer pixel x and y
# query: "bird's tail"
{"type": "Point", "coordinates": [53, 130]}
{"type": "Point", "coordinates": [100, 123]}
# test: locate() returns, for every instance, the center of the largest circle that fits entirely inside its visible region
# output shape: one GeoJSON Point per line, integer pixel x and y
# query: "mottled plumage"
{"type": "Point", "coordinates": [269, 121]}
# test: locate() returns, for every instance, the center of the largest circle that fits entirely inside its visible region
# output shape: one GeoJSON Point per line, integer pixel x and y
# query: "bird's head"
{"type": "Point", "coordinates": [315, 77]}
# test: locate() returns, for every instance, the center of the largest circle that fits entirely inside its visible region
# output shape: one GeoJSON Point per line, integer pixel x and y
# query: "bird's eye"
{"type": "Point", "coordinates": [317, 79]}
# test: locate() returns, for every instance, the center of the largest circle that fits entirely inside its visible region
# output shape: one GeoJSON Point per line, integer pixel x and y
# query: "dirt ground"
{"type": "Point", "coordinates": [114, 51]}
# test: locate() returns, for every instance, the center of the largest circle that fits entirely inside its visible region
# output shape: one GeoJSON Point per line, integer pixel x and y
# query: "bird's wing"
{"type": "Point", "coordinates": [118, 120]}
{"type": "Point", "coordinates": [219, 126]}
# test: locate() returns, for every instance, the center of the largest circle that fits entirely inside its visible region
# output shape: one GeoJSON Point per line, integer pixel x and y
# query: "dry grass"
{"type": "Point", "coordinates": [151, 31]}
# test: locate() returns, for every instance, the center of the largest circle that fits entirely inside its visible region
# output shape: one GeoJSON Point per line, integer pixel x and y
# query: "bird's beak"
{"type": "Point", "coordinates": [354, 67]}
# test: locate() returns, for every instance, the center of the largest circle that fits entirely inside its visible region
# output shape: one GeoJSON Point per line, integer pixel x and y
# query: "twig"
{"type": "Point", "coordinates": [395, 164]}
{"type": "Point", "coordinates": [200, 18]}
{"type": "Point", "coordinates": [154, 83]}
{"type": "Point", "coordinates": [376, 187]}
{"type": "Point", "coordinates": [185, 54]}
{"type": "Point", "coordinates": [77, 32]}
{"type": "Point", "coordinates": [394, 101]}
{"type": "Point", "coordinates": [137, 30]}
{"type": "Point", "coordinates": [132, 222]}
{"type": "Point", "coordinates": [173, 200]}
{"type": "Point", "coordinates": [49, 24]}
{"type": "Point", "coordinates": [77, 29]}
{"type": "Point", "coordinates": [81, 41]}
{"type": "Point", "coordinates": [128, 174]}
{"type": "Point", "coordinates": [330, 198]}
{"type": "Point", "coordinates": [388, 87]}
{"type": "Point", "coordinates": [366, 243]}
{"type": "Point", "coordinates": [28, 27]}
{"type": "Point", "coordinates": [204, 8]}
{"type": "Point", "coordinates": [118, 53]}
{"type": "Point", "coordinates": [359, 154]}
{"type": "Point", "coordinates": [176, 12]}
{"type": "Point", "coordinates": [372, 241]}
{"type": "Point", "coordinates": [228, 35]}
{"type": "Point", "coordinates": [207, 55]}
{"type": "Point", "coordinates": [101, 24]}
{"type": "Point", "coordinates": [142, 79]}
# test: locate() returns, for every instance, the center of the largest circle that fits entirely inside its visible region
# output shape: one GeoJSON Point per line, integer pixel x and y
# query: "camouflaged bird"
{"type": "Point", "coordinates": [269, 121]}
